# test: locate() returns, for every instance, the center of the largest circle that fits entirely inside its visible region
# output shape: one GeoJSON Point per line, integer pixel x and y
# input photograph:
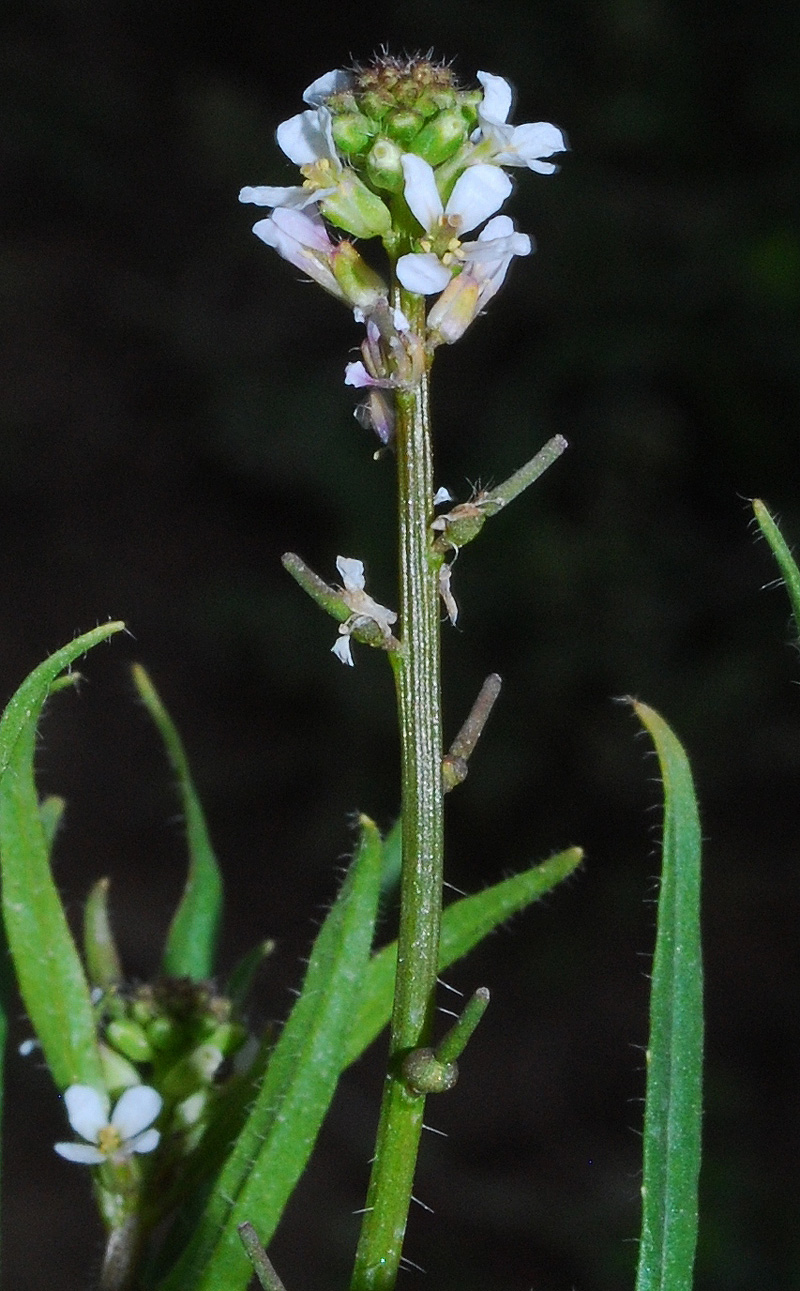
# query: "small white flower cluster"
{"type": "Point", "coordinates": [449, 191]}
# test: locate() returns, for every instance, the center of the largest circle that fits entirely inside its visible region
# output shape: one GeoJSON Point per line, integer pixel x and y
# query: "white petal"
{"type": "Point", "coordinates": [442, 495]}
{"type": "Point", "coordinates": [422, 272]}
{"type": "Point", "coordinates": [421, 192]}
{"type": "Point", "coordinates": [500, 226]}
{"type": "Point", "coordinates": [537, 139]}
{"type": "Point", "coordinates": [341, 648]}
{"type": "Point", "coordinates": [137, 1108]}
{"type": "Point", "coordinates": [330, 83]}
{"type": "Point", "coordinates": [306, 137]}
{"type": "Point", "coordinates": [146, 1142]}
{"type": "Point", "coordinates": [87, 1110]}
{"type": "Point", "coordinates": [497, 95]}
{"type": "Point", "coordinates": [272, 195]}
{"type": "Point", "coordinates": [477, 194]}
{"type": "Point", "coordinates": [83, 1153]}
{"type": "Point", "coordinates": [352, 572]}
{"type": "Point", "coordinates": [308, 230]}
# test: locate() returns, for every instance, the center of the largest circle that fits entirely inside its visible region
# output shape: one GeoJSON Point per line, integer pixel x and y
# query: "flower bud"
{"type": "Point", "coordinates": [384, 168]}
{"type": "Point", "coordinates": [162, 1033]}
{"type": "Point", "coordinates": [118, 1073]}
{"type": "Point", "coordinates": [352, 207]}
{"type": "Point", "coordinates": [129, 1039]}
{"type": "Point", "coordinates": [403, 124]}
{"type": "Point", "coordinates": [441, 137]}
{"type": "Point", "coordinates": [352, 132]}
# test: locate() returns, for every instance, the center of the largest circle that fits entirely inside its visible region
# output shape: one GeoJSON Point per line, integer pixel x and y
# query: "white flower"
{"type": "Point", "coordinates": [485, 264]}
{"type": "Point", "coordinates": [523, 145]}
{"type": "Point", "coordinates": [477, 194]}
{"type": "Point", "coordinates": [362, 605]}
{"type": "Point", "coordinates": [307, 140]}
{"type": "Point", "coordinates": [115, 1138]}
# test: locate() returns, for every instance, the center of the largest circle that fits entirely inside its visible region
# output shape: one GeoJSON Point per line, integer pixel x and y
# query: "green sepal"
{"type": "Point", "coordinates": [465, 923]}
{"type": "Point", "coordinates": [786, 562]}
{"type": "Point", "coordinates": [673, 1100]}
{"type": "Point", "coordinates": [51, 979]}
{"type": "Point", "coordinates": [357, 210]}
{"type": "Point", "coordinates": [192, 938]}
{"type": "Point", "coordinates": [274, 1145]}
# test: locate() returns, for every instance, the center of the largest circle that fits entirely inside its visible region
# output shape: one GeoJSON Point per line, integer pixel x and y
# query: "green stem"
{"type": "Point", "coordinates": [416, 666]}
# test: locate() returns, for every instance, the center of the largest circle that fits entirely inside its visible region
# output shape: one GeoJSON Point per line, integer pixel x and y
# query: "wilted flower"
{"type": "Point", "coordinates": [113, 1138]}
{"type": "Point", "coordinates": [362, 605]}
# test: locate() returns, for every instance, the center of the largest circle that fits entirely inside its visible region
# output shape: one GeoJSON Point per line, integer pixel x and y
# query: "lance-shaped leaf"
{"type": "Point", "coordinates": [276, 1140]}
{"type": "Point", "coordinates": [192, 939]}
{"type": "Point", "coordinates": [673, 1102]}
{"type": "Point", "coordinates": [51, 978]}
{"type": "Point", "coordinates": [786, 562]}
{"type": "Point", "coordinates": [465, 923]}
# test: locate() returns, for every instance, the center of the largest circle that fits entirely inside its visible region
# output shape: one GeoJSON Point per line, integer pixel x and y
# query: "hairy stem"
{"type": "Point", "coordinates": [416, 666]}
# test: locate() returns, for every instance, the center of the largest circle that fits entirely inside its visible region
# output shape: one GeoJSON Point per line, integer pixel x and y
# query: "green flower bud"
{"type": "Point", "coordinates": [440, 137]}
{"type": "Point", "coordinates": [375, 105]}
{"type": "Point", "coordinates": [357, 210]}
{"type": "Point", "coordinates": [352, 132]}
{"type": "Point", "coordinates": [403, 124]}
{"type": "Point", "coordinates": [384, 169]}
{"type": "Point", "coordinates": [162, 1033]}
{"type": "Point", "coordinates": [129, 1039]}
{"type": "Point", "coordinates": [118, 1073]}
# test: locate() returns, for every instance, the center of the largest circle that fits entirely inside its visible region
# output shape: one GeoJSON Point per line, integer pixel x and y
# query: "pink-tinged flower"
{"type": "Point", "coordinates": [362, 605]}
{"type": "Point", "coordinates": [478, 192]}
{"type": "Point", "coordinates": [523, 145]}
{"type": "Point", "coordinates": [485, 264]}
{"type": "Point", "coordinates": [113, 1138]}
{"type": "Point", "coordinates": [302, 238]}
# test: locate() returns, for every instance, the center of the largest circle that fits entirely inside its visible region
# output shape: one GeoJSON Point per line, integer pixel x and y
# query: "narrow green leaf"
{"type": "Point", "coordinates": [49, 971]}
{"type": "Point", "coordinates": [786, 562]}
{"type": "Point", "coordinates": [192, 939]}
{"type": "Point", "coordinates": [673, 1102]}
{"type": "Point", "coordinates": [465, 923]}
{"type": "Point", "coordinates": [277, 1138]}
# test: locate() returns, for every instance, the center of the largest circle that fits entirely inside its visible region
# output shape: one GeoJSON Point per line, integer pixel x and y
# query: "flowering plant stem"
{"type": "Point", "coordinates": [417, 673]}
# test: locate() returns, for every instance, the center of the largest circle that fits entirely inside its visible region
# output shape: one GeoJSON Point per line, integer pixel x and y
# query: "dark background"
{"type": "Point", "coordinates": [173, 417]}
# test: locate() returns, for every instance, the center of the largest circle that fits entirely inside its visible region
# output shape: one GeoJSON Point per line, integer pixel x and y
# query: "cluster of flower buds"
{"type": "Point", "coordinates": [163, 1048]}
{"type": "Point", "coordinates": [396, 150]}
